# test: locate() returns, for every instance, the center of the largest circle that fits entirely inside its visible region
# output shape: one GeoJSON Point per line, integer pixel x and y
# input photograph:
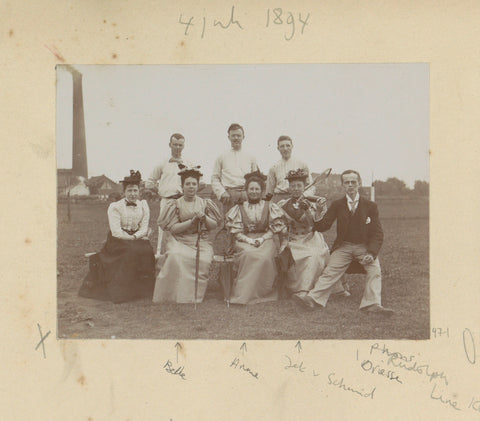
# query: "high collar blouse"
{"type": "Point", "coordinates": [123, 218]}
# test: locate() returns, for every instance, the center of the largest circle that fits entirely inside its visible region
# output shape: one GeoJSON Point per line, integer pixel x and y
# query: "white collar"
{"type": "Point", "coordinates": [357, 198]}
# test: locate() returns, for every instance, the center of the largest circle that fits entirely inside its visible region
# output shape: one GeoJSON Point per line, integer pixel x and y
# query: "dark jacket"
{"type": "Point", "coordinates": [371, 232]}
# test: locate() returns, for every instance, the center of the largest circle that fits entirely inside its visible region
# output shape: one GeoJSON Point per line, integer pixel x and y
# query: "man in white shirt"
{"type": "Point", "coordinates": [165, 178]}
{"type": "Point", "coordinates": [228, 182]}
{"type": "Point", "coordinates": [277, 185]}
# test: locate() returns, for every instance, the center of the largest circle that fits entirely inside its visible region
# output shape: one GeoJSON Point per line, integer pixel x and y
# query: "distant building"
{"type": "Point", "coordinates": [80, 188]}
{"type": "Point", "coordinates": [65, 179]}
{"type": "Point", "coordinates": [206, 191]}
{"type": "Point", "coordinates": [67, 182]}
{"type": "Point", "coordinates": [103, 187]}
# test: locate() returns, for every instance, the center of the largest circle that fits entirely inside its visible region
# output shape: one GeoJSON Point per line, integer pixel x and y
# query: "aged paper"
{"type": "Point", "coordinates": [48, 378]}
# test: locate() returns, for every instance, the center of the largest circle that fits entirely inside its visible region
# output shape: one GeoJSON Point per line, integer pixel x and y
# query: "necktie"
{"type": "Point", "coordinates": [354, 207]}
{"type": "Point", "coordinates": [130, 203]}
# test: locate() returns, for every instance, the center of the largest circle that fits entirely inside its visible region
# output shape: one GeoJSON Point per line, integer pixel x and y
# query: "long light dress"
{"type": "Point", "coordinates": [255, 266]}
{"type": "Point", "coordinates": [176, 279]}
{"type": "Point", "coordinates": [308, 247]}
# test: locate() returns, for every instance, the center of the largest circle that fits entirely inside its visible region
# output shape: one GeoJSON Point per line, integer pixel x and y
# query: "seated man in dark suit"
{"type": "Point", "coordinates": [359, 238]}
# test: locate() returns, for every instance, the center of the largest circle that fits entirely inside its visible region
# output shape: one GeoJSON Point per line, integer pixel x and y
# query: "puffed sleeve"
{"type": "Point", "coordinates": [212, 211]}
{"type": "Point", "coordinates": [234, 220]}
{"type": "Point", "coordinates": [114, 221]}
{"type": "Point", "coordinates": [143, 229]}
{"type": "Point", "coordinates": [277, 222]}
{"type": "Point", "coordinates": [170, 216]}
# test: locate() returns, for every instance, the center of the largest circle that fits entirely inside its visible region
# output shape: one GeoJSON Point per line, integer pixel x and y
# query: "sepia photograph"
{"type": "Point", "coordinates": [269, 201]}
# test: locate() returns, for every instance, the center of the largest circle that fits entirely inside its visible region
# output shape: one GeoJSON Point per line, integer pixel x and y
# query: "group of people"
{"type": "Point", "coordinates": [264, 215]}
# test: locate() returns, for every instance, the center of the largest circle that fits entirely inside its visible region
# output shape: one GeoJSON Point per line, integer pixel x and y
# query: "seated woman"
{"type": "Point", "coordinates": [309, 249]}
{"type": "Point", "coordinates": [253, 224]}
{"type": "Point", "coordinates": [188, 219]}
{"type": "Point", "coordinates": [125, 267]}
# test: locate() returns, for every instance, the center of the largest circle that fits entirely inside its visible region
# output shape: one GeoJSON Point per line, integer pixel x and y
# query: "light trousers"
{"type": "Point", "coordinates": [340, 259]}
{"type": "Point", "coordinates": [164, 205]}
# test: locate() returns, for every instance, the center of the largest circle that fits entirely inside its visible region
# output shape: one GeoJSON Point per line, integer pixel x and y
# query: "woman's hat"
{"type": "Point", "coordinates": [298, 174]}
{"type": "Point", "coordinates": [189, 171]}
{"type": "Point", "coordinates": [134, 178]}
{"type": "Point", "coordinates": [258, 175]}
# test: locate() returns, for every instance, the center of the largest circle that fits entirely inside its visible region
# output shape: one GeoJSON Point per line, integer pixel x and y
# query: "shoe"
{"type": "Point", "coordinates": [305, 301]}
{"type": "Point", "coordinates": [377, 308]}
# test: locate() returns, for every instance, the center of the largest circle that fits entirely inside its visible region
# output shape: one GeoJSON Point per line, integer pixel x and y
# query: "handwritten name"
{"type": "Point", "coordinates": [372, 368]}
{"type": "Point", "coordinates": [177, 371]}
{"type": "Point", "coordinates": [451, 402]}
{"type": "Point", "coordinates": [235, 364]}
{"type": "Point", "coordinates": [300, 367]}
{"type": "Point", "coordinates": [441, 398]}
{"type": "Point", "coordinates": [474, 404]}
{"type": "Point", "coordinates": [398, 360]}
{"type": "Point", "coordinates": [343, 386]}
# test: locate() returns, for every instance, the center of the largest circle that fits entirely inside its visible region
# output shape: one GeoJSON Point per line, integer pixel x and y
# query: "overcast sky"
{"type": "Point", "coordinates": [370, 117]}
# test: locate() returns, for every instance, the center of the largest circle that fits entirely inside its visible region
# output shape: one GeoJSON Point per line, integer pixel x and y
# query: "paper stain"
{"type": "Point", "coordinates": [43, 151]}
{"type": "Point", "coordinates": [10, 33]}
{"type": "Point", "coordinates": [112, 396]}
{"type": "Point", "coordinates": [182, 44]}
{"type": "Point", "coordinates": [114, 55]}
{"type": "Point", "coordinates": [69, 351]}
{"type": "Point", "coordinates": [54, 51]}
{"type": "Point", "coordinates": [281, 392]}
{"type": "Point", "coordinates": [27, 240]}
{"type": "Point", "coordinates": [81, 380]}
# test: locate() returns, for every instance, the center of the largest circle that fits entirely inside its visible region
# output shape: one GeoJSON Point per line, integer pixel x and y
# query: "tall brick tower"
{"type": "Point", "coordinates": [79, 146]}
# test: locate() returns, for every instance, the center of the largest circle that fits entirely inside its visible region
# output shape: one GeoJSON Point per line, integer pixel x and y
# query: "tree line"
{"type": "Point", "coordinates": [396, 187]}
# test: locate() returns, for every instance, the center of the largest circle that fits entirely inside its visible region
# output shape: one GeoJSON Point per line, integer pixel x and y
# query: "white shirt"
{"type": "Point", "coordinates": [276, 182]}
{"type": "Point", "coordinates": [353, 204]}
{"type": "Point", "coordinates": [166, 175]}
{"type": "Point", "coordinates": [130, 218]}
{"type": "Point", "coordinates": [229, 170]}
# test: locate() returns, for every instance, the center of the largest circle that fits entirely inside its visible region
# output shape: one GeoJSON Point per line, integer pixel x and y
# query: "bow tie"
{"type": "Point", "coordinates": [130, 203]}
{"type": "Point", "coordinates": [179, 160]}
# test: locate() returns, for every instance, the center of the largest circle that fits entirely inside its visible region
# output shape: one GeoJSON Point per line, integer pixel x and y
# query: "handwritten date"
{"type": "Point", "coordinates": [277, 17]}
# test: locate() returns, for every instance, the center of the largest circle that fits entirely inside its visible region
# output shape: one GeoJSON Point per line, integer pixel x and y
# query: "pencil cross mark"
{"type": "Point", "coordinates": [42, 340]}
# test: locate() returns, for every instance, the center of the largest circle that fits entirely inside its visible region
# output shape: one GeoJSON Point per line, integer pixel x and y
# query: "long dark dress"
{"type": "Point", "coordinates": [124, 269]}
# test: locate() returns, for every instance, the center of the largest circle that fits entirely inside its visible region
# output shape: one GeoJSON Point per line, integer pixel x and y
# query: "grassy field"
{"type": "Point", "coordinates": [405, 267]}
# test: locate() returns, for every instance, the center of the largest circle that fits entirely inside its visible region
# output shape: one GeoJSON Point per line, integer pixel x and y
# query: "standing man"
{"type": "Point", "coordinates": [277, 185]}
{"type": "Point", "coordinates": [359, 238]}
{"type": "Point", "coordinates": [228, 182]}
{"type": "Point", "coordinates": [166, 179]}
